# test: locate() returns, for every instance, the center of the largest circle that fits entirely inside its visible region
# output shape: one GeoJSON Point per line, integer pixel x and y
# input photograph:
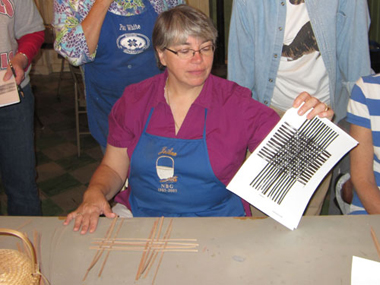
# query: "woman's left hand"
{"type": "Point", "coordinates": [318, 108]}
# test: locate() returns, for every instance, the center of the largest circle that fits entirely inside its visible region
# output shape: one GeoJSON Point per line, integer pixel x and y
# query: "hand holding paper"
{"type": "Point", "coordinates": [8, 90]}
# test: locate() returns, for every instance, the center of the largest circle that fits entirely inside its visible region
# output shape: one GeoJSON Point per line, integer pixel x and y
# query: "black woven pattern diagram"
{"type": "Point", "coordinates": [293, 155]}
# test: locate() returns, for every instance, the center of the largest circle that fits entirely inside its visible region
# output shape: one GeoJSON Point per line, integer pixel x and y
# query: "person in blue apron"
{"type": "Point", "coordinates": [112, 42]}
{"type": "Point", "coordinates": [180, 136]}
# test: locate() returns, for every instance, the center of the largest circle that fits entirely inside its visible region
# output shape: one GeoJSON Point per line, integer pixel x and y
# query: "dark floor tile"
{"type": "Point", "coordinates": [44, 110]}
{"type": "Point", "coordinates": [94, 152]}
{"type": "Point", "coordinates": [49, 208]}
{"type": "Point", "coordinates": [69, 200]}
{"type": "Point", "coordinates": [63, 150]}
{"type": "Point", "coordinates": [48, 171]}
{"type": "Point", "coordinates": [74, 162]}
{"type": "Point", "coordinates": [68, 135]}
{"type": "Point", "coordinates": [85, 173]}
{"type": "Point", "coordinates": [70, 113]}
{"type": "Point", "coordinates": [58, 184]}
{"type": "Point", "coordinates": [64, 125]}
{"type": "Point", "coordinates": [41, 158]}
{"type": "Point", "coordinates": [87, 141]}
{"type": "Point", "coordinates": [50, 140]}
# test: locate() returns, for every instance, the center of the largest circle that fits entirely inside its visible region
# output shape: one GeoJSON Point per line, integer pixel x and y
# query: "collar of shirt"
{"type": "Point", "coordinates": [204, 99]}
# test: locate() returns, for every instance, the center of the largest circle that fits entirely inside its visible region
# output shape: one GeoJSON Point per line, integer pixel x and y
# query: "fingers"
{"type": "Point", "coordinates": [86, 218]}
{"type": "Point", "coordinates": [301, 98]}
{"type": "Point", "coordinates": [86, 222]}
{"type": "Point", "coordinates": [317, 108]}
{"type": "Point", "coordinates": [15, 67]}
{"type": "Point", "coordinates": [108, 212]}
{"type": "Point", "coordinates": [8, 74]}
{"type": "Point", "coordinates": [69, 218]}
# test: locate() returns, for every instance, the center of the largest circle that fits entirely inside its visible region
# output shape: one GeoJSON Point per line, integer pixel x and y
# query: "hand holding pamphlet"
{"type": "Point", "coordinates": [8, 90]}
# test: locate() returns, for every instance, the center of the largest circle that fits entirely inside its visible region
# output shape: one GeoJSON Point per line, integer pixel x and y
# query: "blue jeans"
{"type": "Point", "coordinates": [17, 156]}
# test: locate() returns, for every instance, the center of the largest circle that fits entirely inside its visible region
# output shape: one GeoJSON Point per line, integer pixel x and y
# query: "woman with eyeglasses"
{"type": "Point", "coordinates": [179, 136]}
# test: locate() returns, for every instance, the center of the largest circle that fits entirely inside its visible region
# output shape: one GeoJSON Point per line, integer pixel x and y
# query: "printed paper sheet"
{"type": "Point", "coordinates": [282, 174]}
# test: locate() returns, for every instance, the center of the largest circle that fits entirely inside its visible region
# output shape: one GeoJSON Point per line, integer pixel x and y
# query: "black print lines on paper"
{"type": "Point", "coordinates": [293, 156]}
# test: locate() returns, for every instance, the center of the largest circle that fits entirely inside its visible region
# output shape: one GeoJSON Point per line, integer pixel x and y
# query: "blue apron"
{"type": "Point", "coordinates": [125, 55]}
{"type": "Point", "coordinates": [173, 177]}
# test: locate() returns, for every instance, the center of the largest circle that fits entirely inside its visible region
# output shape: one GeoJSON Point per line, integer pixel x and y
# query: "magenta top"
{"type": "Point", "coordinates": [234, 123]}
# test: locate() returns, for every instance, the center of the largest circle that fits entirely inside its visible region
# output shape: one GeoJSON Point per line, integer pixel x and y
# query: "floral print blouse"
{"type": "Point", "coordinates": [68, 14]}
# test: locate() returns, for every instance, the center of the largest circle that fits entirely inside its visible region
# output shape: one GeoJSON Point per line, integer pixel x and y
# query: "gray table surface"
{"type": "Point", "coordinates": [230, 250]}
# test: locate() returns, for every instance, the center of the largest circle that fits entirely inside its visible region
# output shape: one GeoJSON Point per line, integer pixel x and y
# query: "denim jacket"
{"type": "Point", "coordinates": [256, 40]}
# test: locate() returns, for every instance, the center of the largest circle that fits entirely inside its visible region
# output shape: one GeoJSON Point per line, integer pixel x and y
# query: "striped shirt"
{"type": "Point", "coordinates": [364, 110]}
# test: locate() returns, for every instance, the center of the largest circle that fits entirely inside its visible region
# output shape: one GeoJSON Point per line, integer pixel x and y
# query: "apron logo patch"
{"type": "Point", "coordinates": [165, 170]}
{"type": "Point", "coordinates": [133, 43]}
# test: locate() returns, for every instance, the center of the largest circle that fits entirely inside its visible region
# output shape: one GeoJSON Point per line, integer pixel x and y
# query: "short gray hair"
{"type": "Point", "coordinates": [177, 24]}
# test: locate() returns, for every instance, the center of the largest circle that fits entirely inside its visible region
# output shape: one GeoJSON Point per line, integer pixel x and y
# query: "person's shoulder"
{"type": "Point", "coordinates": [231, 94]}
{"type": "Point", "coordinates": [144, 90]}
{"type": "Point", "coordinates": [227, 88]}
{"type": "Point", "coordinates": [367, 87]}
{"type": "Point", "coordinates": [371, 79]}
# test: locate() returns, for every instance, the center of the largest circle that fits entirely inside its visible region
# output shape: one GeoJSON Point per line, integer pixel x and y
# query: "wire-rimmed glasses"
{"type": "Point", "coordinates": [187, 53]}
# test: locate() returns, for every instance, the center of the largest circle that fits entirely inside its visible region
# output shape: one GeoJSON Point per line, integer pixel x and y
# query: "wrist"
{"type": "Point", "coordinates": [24, 55]}
{"type": "Point", "coordinates": [22, 59]}
{"type": "Point", "coordinates": [105, 4]}
{"type": "Point", "coordinates": [94, 191]}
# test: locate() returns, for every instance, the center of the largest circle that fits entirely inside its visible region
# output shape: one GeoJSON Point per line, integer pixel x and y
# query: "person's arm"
{"type": "Point", "coordinates": [107, 180]}
{"type": "Point", "coordinates": [29, 34]}
{"type": "Point", "coordinates": [93, 23]}
{"type": "Point", "coordinates": [71, 28]}
{"type": "Point", "coordinates": [29, 45]}
{"type": "Point", "coordinates": [362, 175]}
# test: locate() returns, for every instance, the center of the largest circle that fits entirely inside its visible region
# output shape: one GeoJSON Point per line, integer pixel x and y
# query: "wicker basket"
{"type": "Point", "coordinates": [16, 267]}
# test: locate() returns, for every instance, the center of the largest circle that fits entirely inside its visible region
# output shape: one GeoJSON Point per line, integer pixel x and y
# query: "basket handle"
{"type": "Point", "coordinates": [26, 241]}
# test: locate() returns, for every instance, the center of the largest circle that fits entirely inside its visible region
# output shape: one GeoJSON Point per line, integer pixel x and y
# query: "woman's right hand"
{"type": "Point", "coordinates": [106, 182]}
{"type": "Point", "coordinates": [86, 216]}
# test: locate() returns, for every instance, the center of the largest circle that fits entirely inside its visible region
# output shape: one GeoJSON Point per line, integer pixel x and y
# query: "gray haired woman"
{"type": "Point", "coordinates": [179, 136]}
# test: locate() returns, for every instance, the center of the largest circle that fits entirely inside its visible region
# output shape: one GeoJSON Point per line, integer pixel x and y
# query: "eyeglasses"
{"type": "Point", "coordinates": [188, 53]}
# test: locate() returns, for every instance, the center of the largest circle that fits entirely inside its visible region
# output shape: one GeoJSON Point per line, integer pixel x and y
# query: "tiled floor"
{"type": "Point", "coordinates": [62, 175]}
